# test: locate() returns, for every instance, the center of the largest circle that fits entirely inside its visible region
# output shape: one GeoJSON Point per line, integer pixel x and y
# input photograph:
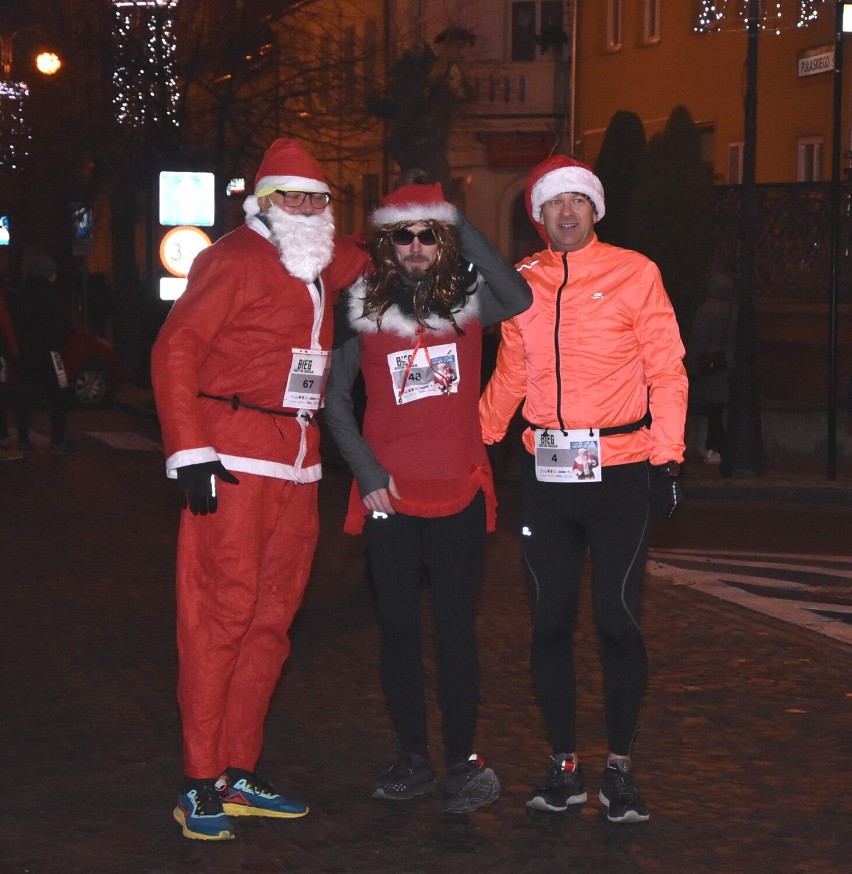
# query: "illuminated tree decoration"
{"type": "Point", "coordinates": [15, 136]}
{"type": "Point", "coordinates": [713, 15]}
{"type": "Point", "coordinates": [145, 88]}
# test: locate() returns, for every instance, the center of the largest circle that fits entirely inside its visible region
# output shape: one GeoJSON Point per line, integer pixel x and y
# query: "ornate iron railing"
{"type": "Point", "coordinates": [792, 258]}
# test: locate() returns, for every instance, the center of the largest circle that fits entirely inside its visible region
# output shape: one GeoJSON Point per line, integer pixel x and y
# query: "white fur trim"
{"type": "Point", "coordinates": [394, 321]}
{"type": "Point", "coordinates": [565, 179]}
{"type": "Point", "coordinates": [250, 206]}
{"type": "Point", "coordinates": [290, 183]}
{"type": "Point", "coordinates": [444, 212]}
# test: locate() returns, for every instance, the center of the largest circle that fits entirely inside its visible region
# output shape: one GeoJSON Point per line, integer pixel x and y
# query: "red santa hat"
{"type": "Point", "coordinates": [288, 166]}
{"type": "Point", "coordinates": [559, 174]}
{"type": "Point", "coordinates": [415, 203]}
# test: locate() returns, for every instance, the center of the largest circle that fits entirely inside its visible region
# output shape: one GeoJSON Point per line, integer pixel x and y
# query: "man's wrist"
{"type": "Point", "coordinates": [670, 468]}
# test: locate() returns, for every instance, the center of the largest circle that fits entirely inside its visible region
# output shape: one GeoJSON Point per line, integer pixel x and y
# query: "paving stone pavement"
{"type": "Point", "coordinates": [743, 753]}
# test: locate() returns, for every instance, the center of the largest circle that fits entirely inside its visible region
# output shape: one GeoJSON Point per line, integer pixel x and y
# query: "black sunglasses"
{"type": "Point", "coordinates": [405, 237]}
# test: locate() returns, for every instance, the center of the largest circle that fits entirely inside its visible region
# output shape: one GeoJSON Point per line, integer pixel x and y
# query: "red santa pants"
{"type": "Point", "coordinates": [241, 574]}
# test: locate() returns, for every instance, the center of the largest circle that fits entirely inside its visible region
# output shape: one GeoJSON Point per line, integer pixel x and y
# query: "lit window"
{"type": "Point", "coordinates": [651, 30]}
{"type": "Point", "coordinates": [613, 25]}
{"type": "Point", "coordinates": [809, 163]}
{"type": "Point", "coordinates": [735, 163]}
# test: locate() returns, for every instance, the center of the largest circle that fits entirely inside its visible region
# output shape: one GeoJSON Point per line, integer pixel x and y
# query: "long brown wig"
{"type": "Point", "coordinates": [441, 292]}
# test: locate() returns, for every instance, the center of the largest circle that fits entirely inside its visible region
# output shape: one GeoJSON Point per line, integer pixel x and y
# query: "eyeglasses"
{"type": "Point", "coordinates": [317, 199]}
{"type": "Point", "coordinates": [405, 237]}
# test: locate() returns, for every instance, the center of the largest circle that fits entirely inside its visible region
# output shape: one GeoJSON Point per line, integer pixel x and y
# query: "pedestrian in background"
{"type": "Point", "coordinates": [8, 371]}
{"type": "Point", "coordinates": [424, 490]}
{"type": "Point", "coordinates": [596, 353]}
{"type": "Point", "coordinates": [41, 313]}
{"type": "Point", "coordinates": [239, 373]}
{"type": "Point", "coordinates": [710, 358]}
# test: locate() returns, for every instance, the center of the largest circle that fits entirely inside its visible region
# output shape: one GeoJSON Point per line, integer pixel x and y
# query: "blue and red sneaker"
{"type": "Point", "coordinates": [244, 793]}
{"type": "Point", "coordinates": [200, 813]}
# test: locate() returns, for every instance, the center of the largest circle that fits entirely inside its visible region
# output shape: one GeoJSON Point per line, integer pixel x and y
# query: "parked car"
{"type": "Point", "coordinates": [93, 369]}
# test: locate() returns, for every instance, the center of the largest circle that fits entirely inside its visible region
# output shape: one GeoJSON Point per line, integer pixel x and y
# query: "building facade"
{"type": "Point", "coordinates": [648, 56]}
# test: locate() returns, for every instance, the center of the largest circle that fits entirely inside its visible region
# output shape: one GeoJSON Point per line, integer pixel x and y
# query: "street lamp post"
{"type": "Point", "coordinates": [843, 24]}
{"type": "Point", "coordinates": [744, 455]}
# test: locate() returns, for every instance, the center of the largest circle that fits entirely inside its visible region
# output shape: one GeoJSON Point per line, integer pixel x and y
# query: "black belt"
{"type": "Point", "coordinates": [236, 403]}
{"type": "Point", "coordinates": [644, 422]}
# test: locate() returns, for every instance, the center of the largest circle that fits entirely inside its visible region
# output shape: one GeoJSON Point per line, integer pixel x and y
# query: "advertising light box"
{"type": "Point", "coordinates": [187, 198]}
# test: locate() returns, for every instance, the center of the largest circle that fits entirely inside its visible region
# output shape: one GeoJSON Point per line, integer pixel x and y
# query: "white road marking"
{"type": "Point", "coordinates": [812, 591]}
{"type": "Point", "coordinates": [126, 440]}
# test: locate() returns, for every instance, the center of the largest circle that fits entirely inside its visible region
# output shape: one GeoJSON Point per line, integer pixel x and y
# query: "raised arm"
{"type": "Point", "coordinates": [504, 293]}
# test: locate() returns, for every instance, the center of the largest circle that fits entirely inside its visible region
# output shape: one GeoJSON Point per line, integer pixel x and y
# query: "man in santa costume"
{"type": "Point", "coordinates": [239, 372]}
{"type": "Point", "coordinates": [424, 490]}
{"type": "Point", "coordinates": [597, 360]}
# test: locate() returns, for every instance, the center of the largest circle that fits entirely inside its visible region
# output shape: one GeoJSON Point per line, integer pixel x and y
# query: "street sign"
{"type": "Point", "coordinates": [180, 246]}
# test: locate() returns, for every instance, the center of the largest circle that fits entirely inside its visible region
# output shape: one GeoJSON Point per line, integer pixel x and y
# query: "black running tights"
{"type": "Point", "coordinates": [559, 522]}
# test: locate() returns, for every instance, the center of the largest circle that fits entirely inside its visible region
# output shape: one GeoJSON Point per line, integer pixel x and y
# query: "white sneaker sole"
{"type": "Point", "coordinates": [538, 803]}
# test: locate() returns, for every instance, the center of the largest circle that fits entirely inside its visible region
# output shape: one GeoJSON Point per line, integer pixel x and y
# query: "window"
{"type": "Point", "coordinates": [735, 163]}
{"type": "Point", "coordinates": [537, 27]}
{"type": "Point", "coordinates": [809, 162]}
{"type": "Point", "coordinates": [523, 31]}
{"type": "Point", "coordinates": [651, 30]}
{"type": "Point", "coordinates": [613, 25]}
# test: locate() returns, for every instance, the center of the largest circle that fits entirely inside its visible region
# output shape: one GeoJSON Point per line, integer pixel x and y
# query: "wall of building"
{"type": "Point", "coordinates": [706, 72]}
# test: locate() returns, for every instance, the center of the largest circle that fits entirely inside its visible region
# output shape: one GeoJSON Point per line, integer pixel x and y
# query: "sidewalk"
{"type": "Point", "coordinates": [742, 753]}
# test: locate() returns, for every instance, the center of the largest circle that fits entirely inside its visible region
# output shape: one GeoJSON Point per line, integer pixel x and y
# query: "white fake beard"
{"type": "Point", "coordinates": [305, 242]}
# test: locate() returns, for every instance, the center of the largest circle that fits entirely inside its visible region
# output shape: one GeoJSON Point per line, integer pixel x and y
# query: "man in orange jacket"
{"type": "Point", "coordinates": [598, 358]}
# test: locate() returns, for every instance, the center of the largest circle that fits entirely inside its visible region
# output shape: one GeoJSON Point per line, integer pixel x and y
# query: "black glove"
{"type": "Point", "coordinates": [666, 491]}
{"type": "Point", "coordinates": [196, 486]}
{"type": "Point", "coordinates": [469, 274]}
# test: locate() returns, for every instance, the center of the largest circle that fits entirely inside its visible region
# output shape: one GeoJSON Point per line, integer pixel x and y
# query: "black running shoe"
{"type": "Point", "coordinates": [618, 792]}
{"type": "Point", "coordinates": [563, 786]}
{"type": "Point", "coordinates": [411, 776]}
{"type": "Point", "coordinates": [469, 786]}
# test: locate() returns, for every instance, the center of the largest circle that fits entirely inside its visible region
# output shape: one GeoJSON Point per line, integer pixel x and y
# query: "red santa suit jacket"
{"type": "Point", "coordinates": [233, 332]}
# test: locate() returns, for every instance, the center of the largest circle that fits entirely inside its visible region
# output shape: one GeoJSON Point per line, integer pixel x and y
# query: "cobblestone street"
{"type": "Point", "coordinates": [743, 753]}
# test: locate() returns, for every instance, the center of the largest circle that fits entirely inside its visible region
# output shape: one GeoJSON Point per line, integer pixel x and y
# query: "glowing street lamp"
{"type": "Point", "coordinates": [48, 63]}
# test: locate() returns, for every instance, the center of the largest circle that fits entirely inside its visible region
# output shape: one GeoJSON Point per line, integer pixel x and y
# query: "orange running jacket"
{"type": "Point", "coordinates": [598, 347]}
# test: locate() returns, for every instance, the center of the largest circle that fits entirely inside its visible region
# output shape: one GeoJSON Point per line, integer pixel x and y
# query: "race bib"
{"type": "Point", "coordinates": [568, 456]}
{"type": "Point", "coordinates": [426, 371]}
{"type": "Point", "coordinates": [306, 380]}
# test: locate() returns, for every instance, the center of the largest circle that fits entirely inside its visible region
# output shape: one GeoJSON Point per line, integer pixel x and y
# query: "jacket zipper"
{"type": "Point", "coordinates": [556, 341]}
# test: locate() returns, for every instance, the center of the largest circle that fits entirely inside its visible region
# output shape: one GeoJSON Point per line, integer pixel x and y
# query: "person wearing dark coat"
{"type": "Point", "coordinates": [42, 319]}
{"type": "Point", "coordinates": [713, 334]}
{"type": "Point", "coordinates": [8, 367]}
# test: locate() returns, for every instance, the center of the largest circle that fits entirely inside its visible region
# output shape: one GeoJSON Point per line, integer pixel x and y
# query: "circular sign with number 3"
{"type": "Point", "coordinates": [179, 247]}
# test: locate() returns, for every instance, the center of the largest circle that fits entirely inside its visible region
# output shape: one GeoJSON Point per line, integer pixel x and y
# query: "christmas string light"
{"type": "Point", "coordinates": [713, 14]}
{"type": "Point", "coordinates": [148, 26]}
{"type": "Point", "coordinates": [14, 146]}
